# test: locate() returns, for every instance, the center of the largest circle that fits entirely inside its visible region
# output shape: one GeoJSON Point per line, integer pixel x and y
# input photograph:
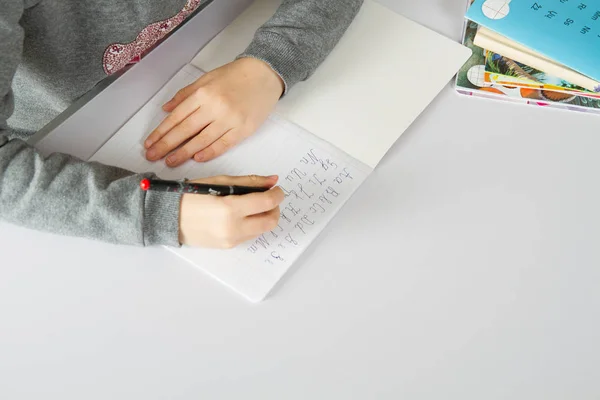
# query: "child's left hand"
{"type": "Point", "coordinates": [216, 112]}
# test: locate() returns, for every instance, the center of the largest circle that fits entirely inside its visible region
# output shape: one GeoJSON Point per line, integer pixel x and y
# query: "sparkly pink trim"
{"type": "Point", "coordinates": [118, 55]}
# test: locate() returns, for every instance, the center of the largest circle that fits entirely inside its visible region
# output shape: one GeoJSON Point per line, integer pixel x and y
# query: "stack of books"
{"type": "Point", "coordinates": [543, 53]}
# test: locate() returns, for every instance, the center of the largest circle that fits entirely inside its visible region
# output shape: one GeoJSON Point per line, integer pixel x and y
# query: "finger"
{"type": "Point", "coordinates": [205, 138]}
{"type": "Point", "coordinates": [180, 96]}
{"type": "Point", "coordinates": [220, 146]}
{"type": "Point", "coordinates": [194, 126]}
{"type": "Point", "coordinates": [256, 203]}
{"type": "Point", "coordinates": [187, 107]}
{"type": "Point", "coordinates": [249, 180]}
{"type": "Point", "coordinates": [255, 225]}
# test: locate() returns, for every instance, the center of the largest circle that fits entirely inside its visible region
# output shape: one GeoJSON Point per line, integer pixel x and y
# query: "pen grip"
{"type": "Point", "coordinates": [220, 190]}
{"type": "Point", "coordinates": [241, 190]}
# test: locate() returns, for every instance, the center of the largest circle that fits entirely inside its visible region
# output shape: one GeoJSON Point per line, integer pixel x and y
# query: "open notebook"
{"type": "Point", "coordinates": [323, 140]}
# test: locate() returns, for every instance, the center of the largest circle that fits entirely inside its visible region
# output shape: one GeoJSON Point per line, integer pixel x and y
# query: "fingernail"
{"type": "Point", "coordinates": [148, 143]}
{"type": "Point", "coordinates": [167, 103]}
{"type": "Point", "coordinates": [172, 159]}
{"type": "Point", "coordinates": [199, 156]}
{"type": "Point", "coordinates": [151, 154]}
{"type": "Point", "coordinates": [272, 177]}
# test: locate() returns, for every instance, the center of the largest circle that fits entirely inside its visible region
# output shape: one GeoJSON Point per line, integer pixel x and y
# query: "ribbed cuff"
{"type": "Point", "coordinates": [281, 55]}
{"type": "Point", "coordinates": [161, 219]}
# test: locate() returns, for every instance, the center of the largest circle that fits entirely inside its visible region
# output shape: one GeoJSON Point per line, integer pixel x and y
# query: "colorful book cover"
{"type": "Point", "coordinates": [503, 70]}
{"type": "Point", "coordinates": [471, 81]}
{"type": "Point", "coordinates": [567, 31]}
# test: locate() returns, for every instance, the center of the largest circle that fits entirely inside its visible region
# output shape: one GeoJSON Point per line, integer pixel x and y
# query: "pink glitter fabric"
{"type": "Point", "coordinates": [118, 55]}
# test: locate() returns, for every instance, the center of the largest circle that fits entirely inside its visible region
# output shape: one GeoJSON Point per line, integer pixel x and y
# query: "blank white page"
{"type": "Point", "coordinates": [316, 177]}
{"type": "Point", "coordinates": [382, 74]}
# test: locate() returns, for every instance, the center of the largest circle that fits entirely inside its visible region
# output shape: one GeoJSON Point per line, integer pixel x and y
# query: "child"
{"type": "Point", "coordinates": [53, 52]}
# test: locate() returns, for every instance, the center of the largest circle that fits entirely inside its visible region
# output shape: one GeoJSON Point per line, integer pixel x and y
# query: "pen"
{"type": "Point", "coordinates": [197, 188]}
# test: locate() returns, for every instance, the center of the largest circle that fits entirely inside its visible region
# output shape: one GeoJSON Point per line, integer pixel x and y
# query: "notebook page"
{"type": "Point", "coordinates": [316, 177]}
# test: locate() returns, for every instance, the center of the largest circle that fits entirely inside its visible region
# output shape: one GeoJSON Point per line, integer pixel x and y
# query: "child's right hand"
{"type": "Point", "coordinates": [225, 222]}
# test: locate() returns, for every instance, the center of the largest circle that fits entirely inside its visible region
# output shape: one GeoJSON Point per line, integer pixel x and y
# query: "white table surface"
{"type": "Point", "coordinates": [466, 267]}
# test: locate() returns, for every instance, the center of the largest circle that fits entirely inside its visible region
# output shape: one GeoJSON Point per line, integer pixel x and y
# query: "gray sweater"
{"type": "Point", "coordinates": [52, 52]}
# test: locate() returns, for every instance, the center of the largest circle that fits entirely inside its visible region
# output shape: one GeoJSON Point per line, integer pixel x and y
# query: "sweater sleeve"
{"type": "Point", "coordinates": [300, 35]}
{"type": "Point", "coordinates": [62, 194]}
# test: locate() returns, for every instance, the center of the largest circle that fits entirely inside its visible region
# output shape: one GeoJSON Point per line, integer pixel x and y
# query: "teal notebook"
{"type": "Point", "coordinates": [567, 31]}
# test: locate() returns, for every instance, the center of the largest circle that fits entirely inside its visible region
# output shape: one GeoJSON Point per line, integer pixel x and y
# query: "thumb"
{"type": "Point", "coordinates": [249, 180]}
{"type": "Point", "coordinates": [180, 96]}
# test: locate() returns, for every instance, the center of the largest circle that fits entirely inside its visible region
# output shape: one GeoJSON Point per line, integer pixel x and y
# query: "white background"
{"type": "Point", "coordinates": [466, 267]}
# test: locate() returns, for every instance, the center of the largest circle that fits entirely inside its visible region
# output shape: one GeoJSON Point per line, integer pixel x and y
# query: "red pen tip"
{"type": "Point", "coordinates": [145, 184]}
